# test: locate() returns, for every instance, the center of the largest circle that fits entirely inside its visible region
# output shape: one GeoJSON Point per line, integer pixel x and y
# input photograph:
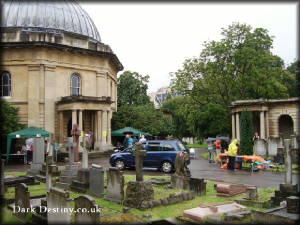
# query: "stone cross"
{"type": "Point", "coordinates": [48, 173]}
{"type": "Point", "coordinates": [75, 134]}
{"type": "Point", "coordinates": [85, 163]}
{"type": "Point", "coordinates": [70, 146]}
{"type": "Point", "coordinates": [288, 161]}
{"type": "Point", "coordinates": [139, 154]}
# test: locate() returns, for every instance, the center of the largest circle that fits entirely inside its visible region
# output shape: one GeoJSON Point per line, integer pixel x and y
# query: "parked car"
{"type": "Point", "coordinates": [161, 154]}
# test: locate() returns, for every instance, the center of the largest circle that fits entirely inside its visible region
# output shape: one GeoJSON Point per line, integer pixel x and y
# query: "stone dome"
{"type": "Point", "coordinates": [50, 17]}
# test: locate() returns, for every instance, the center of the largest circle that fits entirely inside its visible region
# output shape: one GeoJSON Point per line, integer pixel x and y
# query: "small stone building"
{"type": "Point", "coordinates": [56, 69]}
{"type": "Point", "coordinates": [271, 118]}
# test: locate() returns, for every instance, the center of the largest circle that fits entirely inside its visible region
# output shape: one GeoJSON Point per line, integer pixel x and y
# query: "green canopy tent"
{"type": "Point", "coordinates": [129, 130]}
{"type": "Point", "coordinates": [29, 132]}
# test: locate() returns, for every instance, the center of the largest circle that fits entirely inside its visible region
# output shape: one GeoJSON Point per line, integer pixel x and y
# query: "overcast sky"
{"type": "Point", "coordinates": [155, 39]}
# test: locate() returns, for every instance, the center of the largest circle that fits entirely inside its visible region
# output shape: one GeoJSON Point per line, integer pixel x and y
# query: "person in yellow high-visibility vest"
{"type": "Point", "coordinates": [232, 150]}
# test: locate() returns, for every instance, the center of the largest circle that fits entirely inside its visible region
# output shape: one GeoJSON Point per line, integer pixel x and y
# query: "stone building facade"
{"type": "Point", "coordinates": [271, 118]}
{"type": "Point", "coordinates": [56, 69]}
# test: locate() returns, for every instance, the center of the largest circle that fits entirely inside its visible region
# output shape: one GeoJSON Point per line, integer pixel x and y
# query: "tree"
{"type": "Point", "coordinates": [292, 82]}
{"type": "Point", "coordinates": [239, 66]}
{"type": "Point", "coordinates": [132, 89]}
{"type": "Point", "coordinates": [9, 121]}
{"type": "Point", "coordinates": [246, 143]}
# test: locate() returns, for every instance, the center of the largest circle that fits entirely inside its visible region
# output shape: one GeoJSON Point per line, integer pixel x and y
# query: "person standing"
{"type": "Point", "coordinates": [255, 137]}
{"type": "Point", "coordinates": [29, 149]}
{"type": "Point", "coordinates": [142, 139]}
{"type": "Point", "coordinates": [232, 150]}
{"type": "Point", "coordinates": [218, 147]}
{"type": "Point", "coordinates": [130, 141]}
{"type": "Point", "coordinates": [210, 152]}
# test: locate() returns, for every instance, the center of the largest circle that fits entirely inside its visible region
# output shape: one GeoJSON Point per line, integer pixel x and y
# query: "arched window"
{"type": "Point", "coordinates": [5, 85]}
{"type": "Point", "coordinates": [75, 84]}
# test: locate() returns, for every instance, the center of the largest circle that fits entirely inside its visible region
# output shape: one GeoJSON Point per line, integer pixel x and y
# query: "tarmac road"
{"type": "Point", "coordinates": [200, 168]}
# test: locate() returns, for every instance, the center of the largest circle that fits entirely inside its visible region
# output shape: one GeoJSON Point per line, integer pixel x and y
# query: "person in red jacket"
{"type": "Point", "coordinates": [218, 146]}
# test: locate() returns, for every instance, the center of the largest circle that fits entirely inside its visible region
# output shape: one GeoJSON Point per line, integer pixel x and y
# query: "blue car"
{"type": "Point", "coordinates": [161, 154]}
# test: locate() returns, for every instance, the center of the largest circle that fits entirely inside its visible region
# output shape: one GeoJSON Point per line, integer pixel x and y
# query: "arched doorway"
{"type": "Point", "coordinates": [286, 126]}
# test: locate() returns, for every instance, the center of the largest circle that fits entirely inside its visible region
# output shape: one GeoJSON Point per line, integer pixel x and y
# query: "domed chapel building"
{"type": "Point", "coordinates": [56, 69]}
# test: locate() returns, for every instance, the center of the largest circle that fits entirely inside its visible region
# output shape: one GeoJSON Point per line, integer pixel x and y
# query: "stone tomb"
{"type": "Point", "coordinates": [197, 185]}
{"type": "Point", "coordinates": [22, 200]}
{"type": "Point", "coordinates": [138, 191]}
{"type": "Point", "coordinates": [260, 147]}
{"type": "Point", "coordinates": [202, 211]}
{"type": "Point", "coordinates": [81, 183]}
{"type": "Point", "coordinates": [285, 190]}
{"type": "Point", "coordinates": [115, 185]}
{"type": "Point", "coordinates": [92, 213]}
{"type": "Point", "coordinates": [229, 190]}
{"type": "Point", "coordinates": [57, 198]}
{"type": "Point", "coordinates": [96, 186]}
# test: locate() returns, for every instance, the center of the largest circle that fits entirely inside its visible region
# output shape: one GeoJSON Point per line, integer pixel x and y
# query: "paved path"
{"type": "Point", "coordinates": [201, 168]}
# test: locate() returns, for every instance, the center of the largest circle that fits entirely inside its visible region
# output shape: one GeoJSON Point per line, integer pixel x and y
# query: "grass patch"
{"type": "Point", "coordinates": [112, 212]}
{"type": "Point", "coordinates": [197, 145]}
{"type": "Point", "coordinates": [15, 173]}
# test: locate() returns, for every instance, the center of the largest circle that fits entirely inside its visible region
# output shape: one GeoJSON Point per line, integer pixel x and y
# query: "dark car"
{"type": "Point", "coordinates": [161, 154]}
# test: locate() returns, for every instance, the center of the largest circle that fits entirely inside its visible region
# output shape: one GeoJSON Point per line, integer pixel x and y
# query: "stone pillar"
{"type": "Point", "coordinates": [50, 84]}
{"type": "Point", "coordinates": [74, 117]}
{"type": "Point", "coordinates": [33, 95]}
{"type": "Point", "coordinates": [262, 125]}
{"type": "Point", "coordinates": [109, 115]}
{"type": "Point", "coordinates": [267, 124]}
{"type": "Point", "coordinates": [99, 128]}
{"type": "Point", "coordinates": [80, 120]}
{"type": "Point", "coordinates": [104, 127]}
{"type": "Point", "coordinates": [61, 126]}
{"type": "Point", "coordinates": [288, 161]}
{"type": "Point", "coordinates": [233, 125]}
{"type": "Point", "coordinates": [95, 123]}
{"type": "Point", "coordinates": [237, 125]}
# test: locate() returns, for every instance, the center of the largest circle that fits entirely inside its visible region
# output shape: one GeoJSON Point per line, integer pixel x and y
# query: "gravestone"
{"type": "Point", "coordinates": [81, 182]}
{"type": "Point", "coordinates": [115, 185]}
{"type": "Point", "coordinates": [58, 199]}
{"type": "Point", "coordinates": [91, 215]}
{"type": "Point", "coordinates": [272, 146]}
{"type": "Point", "coordinates": [22, 200]}
{"type": "Point", "coordinates": [251, 193]}
{"type": "Point", "coordinates": [229, 190]}
{"type": "Point", "coordinates": [38, 155]}
{"type": "Point", "coordinates": [293, 204]}
{"type": "Point", "coordinates": [96, 186]}
{"type": "Point", "coordinates": [260, 147]}
{"type": "Point", "coordinates": [197, 185]}
{"type": "Point", "coordinates": [139, 190]}
{"type": "Point", "coordinates": [85, 163]}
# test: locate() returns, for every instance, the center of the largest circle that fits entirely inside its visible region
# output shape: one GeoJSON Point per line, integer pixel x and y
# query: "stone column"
{"type": "Point", "coordinates": [49, 98]}
{"type": "Point", "coordinates": [74, 117]}
{"type": "Point", "coordinates": [262, 125]}
{"type": "Point", "coordinates": [104, 127]}
{"type": "Point", "coordinates": [288, 161]}
{"type": "Point", "coordinates": [267, 124]}
{"type": "Point", "coordinates": [233, 125]}
{"type": "Point", "coordinates": [80, 120]}
{"type": "Point", "coordinates": [99, 122]}
{"type": "Point", "coordinates": [95, 125]}
{"type": "Point", "coordinates": [237, 124]}
{"type": "Point", "coordinates": [61, 126]}
{"type": "Point", "coordinates": [109, 114]}
{"type": "Point", "coordinates": [33, 97]}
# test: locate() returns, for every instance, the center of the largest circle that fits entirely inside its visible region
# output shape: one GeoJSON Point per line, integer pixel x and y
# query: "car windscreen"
{"type": "Point", "coordinates": [180, 146]}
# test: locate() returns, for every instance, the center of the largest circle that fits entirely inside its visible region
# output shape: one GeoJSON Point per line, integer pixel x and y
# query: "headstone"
{"type": "Point", "coordinates": [293, 204]}
{"type": "Point", "coordinates": [70, 147]}
{"type": "Point", "coordinates": [38, 155]}
{"type": "Point", "coordinates": [22, 200]}
{"type": "Point", "coordinates": [86, 210]}
{"type": "Point", "coordinates": [285, 190]}
{"type": "Point", "coordinates": [251, 193]}
{"type": "Point", "coordinates": [272, 146]}
{"type": "Point", "coordinates": [96, 186]}
{"type": "Point", "coordinates": [58, 199]}
{"type": "Point", "coordinates": [288, 161]}
{"type": "Point", "coordinates": [81, 183]}
{"type": "Point", "coordinates": [115, 185]}
{"type": "Point", "coordinates": [138, 191]}
{"type": "Point", "coordinates": [260, 147]}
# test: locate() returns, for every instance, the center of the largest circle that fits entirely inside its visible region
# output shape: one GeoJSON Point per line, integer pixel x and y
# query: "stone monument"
{"type": "Point", "coordinates": [180, 179]}
{"type": "Point", "coordinates": [76, 134]}
{"type": "Point", "coordinates": [115, 185]}
{"type": "Point", "coordinates": [92, 213]}
{"type": "Point", "coordinates": [38, 156]}
{"type": "Point", "coordinates": [96, 186]}
{"type": "Point", "coordinates": [22, 200]}
{"type": "Point", "coordinates": [139, 190]}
